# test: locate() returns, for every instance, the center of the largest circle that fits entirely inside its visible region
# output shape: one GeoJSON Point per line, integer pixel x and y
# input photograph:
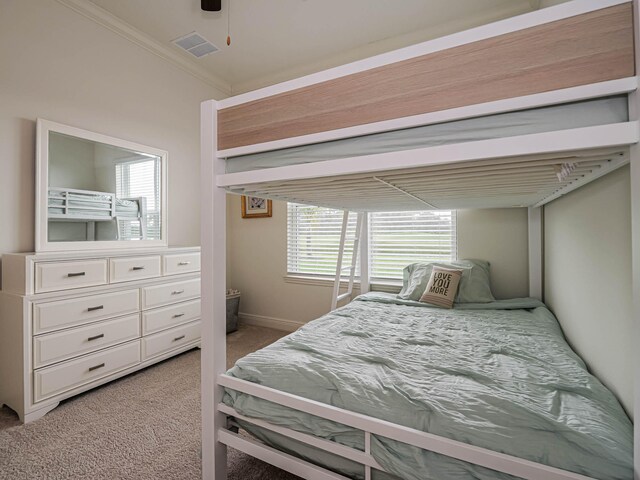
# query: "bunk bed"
{"type": "Point", "coordinates": [74, 205]}
{"type": "Point", "coordinates": [512, 114]}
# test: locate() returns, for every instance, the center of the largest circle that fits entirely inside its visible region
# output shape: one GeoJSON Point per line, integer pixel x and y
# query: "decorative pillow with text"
{"type": "Point", "coordinates": [442, 287]}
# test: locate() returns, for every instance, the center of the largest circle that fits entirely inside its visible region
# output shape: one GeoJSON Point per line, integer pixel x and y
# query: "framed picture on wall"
{"type": "Point", "coordinates": [254, 207]}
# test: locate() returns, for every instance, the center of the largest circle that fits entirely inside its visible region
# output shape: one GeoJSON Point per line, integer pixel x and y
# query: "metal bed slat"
{"type": "Point", "coordinates": [485, 164]}
{"type": "Point", "coordinates": [418, 176]}
{"type": "Point", "coordinates": [519, 182]}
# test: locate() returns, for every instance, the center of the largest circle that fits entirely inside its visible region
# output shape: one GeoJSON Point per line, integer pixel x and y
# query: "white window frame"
{"type": "Point", "coordinates": [157, 175]}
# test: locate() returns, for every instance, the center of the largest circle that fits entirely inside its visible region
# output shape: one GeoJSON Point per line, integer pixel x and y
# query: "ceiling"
{"type": "Point", "coordinates": [277, 40]}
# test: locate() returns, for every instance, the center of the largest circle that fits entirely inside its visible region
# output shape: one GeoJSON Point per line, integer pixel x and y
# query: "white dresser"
{"type": "Point", "coordinates": [72, 321]}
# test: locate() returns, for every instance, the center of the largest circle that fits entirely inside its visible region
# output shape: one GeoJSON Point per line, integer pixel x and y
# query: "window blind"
{"type": "Point", "coordinates": [313, 239]}
{"type": "Point", "coordinates": [396, 239]}
{"type": "Point", "coordinates": [141, 179]}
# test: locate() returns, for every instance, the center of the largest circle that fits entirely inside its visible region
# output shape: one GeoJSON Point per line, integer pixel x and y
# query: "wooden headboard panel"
{"type": "Point", "coordinates": [579, 50]}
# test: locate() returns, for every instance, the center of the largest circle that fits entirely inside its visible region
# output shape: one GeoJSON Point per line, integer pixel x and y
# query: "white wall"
{"type": "Point", "coordinates": [501, 237]}
{"type": "Point", "coordinates": [71, 163]}
{"type": "Point", "coordinates": [59, 65]}
{"type": "Point", "coordinates": [588, 277]}
{"type": "Point", "coordinates": [258, 247]}
{"type": "Point", "coordinates": [551, 3]}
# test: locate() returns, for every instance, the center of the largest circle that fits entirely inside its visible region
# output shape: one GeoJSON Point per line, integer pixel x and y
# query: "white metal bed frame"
{"type": "Point", "coordinates": [70, 194]}
{"type": "Point", "coordinates": [215, 182]}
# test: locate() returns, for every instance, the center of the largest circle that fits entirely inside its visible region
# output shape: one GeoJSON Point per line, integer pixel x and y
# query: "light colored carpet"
{"type": "Point", "coordinates": [143, 426]}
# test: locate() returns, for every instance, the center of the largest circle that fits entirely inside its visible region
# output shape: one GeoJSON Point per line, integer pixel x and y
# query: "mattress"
{"type": "Point", "coordinates": [126, 207]}
{"type": "Point", "coordinates": [498, 376]}
{"type": "Point", "coordinates": [546, 119]}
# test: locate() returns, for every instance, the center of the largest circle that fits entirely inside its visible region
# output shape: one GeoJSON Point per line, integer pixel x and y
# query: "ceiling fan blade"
{"type": "Point", "coordinates": [211, 5]}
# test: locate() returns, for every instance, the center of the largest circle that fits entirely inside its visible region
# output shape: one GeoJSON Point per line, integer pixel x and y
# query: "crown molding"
{"type": "Point", "coordinates": [116, 25]}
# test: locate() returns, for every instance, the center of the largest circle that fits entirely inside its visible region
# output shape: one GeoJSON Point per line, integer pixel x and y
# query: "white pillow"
{"type": "Point", "coordinates": [474, 287]}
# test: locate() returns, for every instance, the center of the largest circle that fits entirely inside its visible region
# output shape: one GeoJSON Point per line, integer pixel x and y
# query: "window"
{"type": "Point", "coordinates": [396, 239]}
{"type": "Point", "coordinates": [141, 179]}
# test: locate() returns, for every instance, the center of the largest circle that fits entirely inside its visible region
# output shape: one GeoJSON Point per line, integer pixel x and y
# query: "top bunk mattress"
{"type": "Point", "coordinates": [498, 376]}
{"type": "Point", "coordinates": [588, 113]}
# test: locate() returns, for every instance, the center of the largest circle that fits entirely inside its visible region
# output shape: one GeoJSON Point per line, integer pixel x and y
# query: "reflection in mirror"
{"type": "Point", "coordinates": [101, 192]}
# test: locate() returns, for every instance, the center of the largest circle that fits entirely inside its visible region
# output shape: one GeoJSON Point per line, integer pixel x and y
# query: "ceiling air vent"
{"type": "Point", "coordinates": [195, 44]}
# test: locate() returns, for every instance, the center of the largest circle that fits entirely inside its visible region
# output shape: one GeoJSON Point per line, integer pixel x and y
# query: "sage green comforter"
{"type": "Point", "coordinates": [499, 376]}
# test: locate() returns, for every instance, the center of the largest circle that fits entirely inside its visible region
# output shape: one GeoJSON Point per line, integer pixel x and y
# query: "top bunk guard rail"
{"type": "Point", "coordinates": [576, 51]}
{"type": "Point", "coordinates": [494, 29]}
{"type": "Point", "coordinates": [536, 100]}
{"type": "Point", "coordinates": [575, 44]}
{"type": "Point", "coordinates": [80, 205]}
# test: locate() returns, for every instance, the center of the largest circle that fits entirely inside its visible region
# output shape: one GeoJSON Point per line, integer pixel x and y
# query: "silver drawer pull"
{"type": "Point", "coordinates": [93, 309]}
{"type": "Point", "coordinates": [177, 292]}
{"type": "Point", "coordinates": [91, 369]}
{"type": "Point", "coordinates": [182, 264]}
{"type": "Point", "coordinates": [178, 315]}
{"type": "Point", "coordinates": [95, 337]}
{"type": "Point", "coordinates": [137, 268]}
{"type": "Point", "coordinates": [179, 338]}
{"type": "Point", "coordinates": [77, 274]}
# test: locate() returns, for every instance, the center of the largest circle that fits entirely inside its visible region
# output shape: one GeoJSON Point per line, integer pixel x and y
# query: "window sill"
{"type": "Point", "coordinates": [316, 281]}
{"type": "Point", "coordinates": [378, 286]}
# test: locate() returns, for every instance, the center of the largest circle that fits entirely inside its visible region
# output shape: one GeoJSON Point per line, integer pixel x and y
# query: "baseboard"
{"type": "Point", "coordinates": [269, 322]}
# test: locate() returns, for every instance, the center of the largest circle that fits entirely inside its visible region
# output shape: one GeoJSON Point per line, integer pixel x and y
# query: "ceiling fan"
{"type": "Point", "coordinates": [211, 5]}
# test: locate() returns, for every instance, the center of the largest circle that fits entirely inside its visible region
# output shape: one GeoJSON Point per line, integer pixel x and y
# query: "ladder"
{"type": "Point", "coordinates": [359, 242]}
{"type": "Point", "coordinates": [122, 221]}
{"type": "Point", "coordinates": [124, 233]}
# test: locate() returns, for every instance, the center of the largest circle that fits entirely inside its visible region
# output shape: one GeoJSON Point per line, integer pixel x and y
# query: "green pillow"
{"type": "Point", "coordinates": [475, 286]}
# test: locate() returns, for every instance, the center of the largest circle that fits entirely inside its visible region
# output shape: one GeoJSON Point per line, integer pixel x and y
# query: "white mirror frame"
{"type": "Point", "coordinates": [43, 128]}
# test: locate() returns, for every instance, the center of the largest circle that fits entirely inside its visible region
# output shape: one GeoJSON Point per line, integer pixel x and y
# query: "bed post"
{"type": "Point", "coordinates": [214, 252]}
{"type": "Point", "coordinates": [536, 248]}
{"type": "Point", "coordinates": [634, 158]}
{"type": "Point", "coordinates": [635, 285]}
{"type": "Point", "coordinates": [364, 254]}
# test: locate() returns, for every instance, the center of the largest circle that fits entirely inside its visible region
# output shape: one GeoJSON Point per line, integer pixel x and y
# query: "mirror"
{"type": "Point", "coordinates": [97, 192]}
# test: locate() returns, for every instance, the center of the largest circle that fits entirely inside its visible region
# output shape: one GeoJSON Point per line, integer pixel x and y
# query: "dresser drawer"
{"type": "Point", "coordinates": [181, 263]}
{"type": "Point", "coordinates": [58, 346]}
{"type": "Point", "coordinates": [162, 342]}
{"type": "Point", "coordinates": [60, 314]}
{"type": "Point", "coordinates": [133, 268]}
{"type": "Point", "coordinates": [163, 318]}
{"type": "Point", "coordinates": [52, 276]}
{"type": "Point", "coordinates": [50, 381]}
{"type": "Point", "coordinates": [166, 293]}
